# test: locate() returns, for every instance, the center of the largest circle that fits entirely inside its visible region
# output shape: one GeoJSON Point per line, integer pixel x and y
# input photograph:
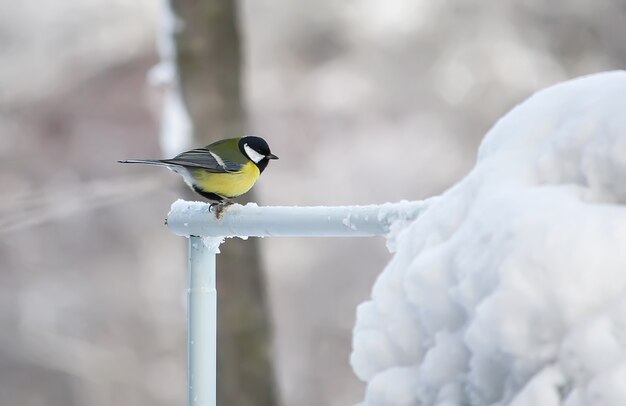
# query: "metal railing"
{"type": "Point", "coordinates": [206, 232]}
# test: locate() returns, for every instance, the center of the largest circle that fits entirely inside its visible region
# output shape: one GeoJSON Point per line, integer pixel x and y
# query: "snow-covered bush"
{"type": "Point", "coordinates": [511, 288]}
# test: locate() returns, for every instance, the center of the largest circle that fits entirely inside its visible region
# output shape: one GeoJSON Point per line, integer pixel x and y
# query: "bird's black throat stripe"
{"type": "Point", "coordinates": [208, 195]}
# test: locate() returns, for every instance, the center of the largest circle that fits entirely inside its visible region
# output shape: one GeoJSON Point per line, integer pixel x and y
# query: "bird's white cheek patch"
{"type": "Point", "coordinates": [252, 154]}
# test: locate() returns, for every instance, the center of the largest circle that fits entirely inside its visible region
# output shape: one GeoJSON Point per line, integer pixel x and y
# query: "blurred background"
{"type": "Point", "coordinates": [364, 101]}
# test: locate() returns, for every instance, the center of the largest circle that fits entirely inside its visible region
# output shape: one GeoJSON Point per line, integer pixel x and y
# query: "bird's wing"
{"type": "Point", "coordinates": [205, 159]}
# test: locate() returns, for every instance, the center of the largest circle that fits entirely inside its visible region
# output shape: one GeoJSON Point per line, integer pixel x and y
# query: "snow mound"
{"type": "Point", "coordinates": [511, 288]}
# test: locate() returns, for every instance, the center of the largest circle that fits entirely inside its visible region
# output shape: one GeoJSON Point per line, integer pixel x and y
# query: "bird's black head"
{"type": "Point", "coordinates": [257, 150]}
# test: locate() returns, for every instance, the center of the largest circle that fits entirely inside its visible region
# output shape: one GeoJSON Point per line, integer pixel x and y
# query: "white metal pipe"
{"type": "Point", "coordinates": [202, 319]}
{"type": "Point", "coordinates": [195, 218]}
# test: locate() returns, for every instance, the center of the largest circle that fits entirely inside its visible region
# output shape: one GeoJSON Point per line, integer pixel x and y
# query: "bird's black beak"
{"type": "Point", "coordinates": [271, 156]}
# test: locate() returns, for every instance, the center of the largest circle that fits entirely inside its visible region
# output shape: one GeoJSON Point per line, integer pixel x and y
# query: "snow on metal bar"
{"type": "Point", "coordinates": [194, 219]}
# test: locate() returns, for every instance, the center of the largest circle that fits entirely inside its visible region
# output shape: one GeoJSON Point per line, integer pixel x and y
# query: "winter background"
{"type": "Point", "coordinates": [507, 291]}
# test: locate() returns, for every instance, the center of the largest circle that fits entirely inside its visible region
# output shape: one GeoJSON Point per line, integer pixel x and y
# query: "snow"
{"type": "Point", "coordinates": [510, 288]}
{"type": "Point", "coordinates": [213, 243]}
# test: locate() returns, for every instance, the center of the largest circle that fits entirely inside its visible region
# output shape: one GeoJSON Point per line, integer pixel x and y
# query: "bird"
{"type": "Point", "coordinates": [221, 171]}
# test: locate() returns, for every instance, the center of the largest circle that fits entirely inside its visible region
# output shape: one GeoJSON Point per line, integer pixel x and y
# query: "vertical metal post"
{"type": "Point", "coordinates": [202, 314]}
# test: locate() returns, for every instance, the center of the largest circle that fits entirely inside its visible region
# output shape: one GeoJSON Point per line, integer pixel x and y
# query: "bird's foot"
{"type": "Point", "coordinates": [219, 208]}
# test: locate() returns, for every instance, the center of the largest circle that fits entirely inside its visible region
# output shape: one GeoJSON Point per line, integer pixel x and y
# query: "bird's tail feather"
{"type": "Point", "coordinates": [143, 161]}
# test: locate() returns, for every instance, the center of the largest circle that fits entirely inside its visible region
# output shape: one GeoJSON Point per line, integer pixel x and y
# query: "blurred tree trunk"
{"type": "Point", "coordinates": [209, 65]}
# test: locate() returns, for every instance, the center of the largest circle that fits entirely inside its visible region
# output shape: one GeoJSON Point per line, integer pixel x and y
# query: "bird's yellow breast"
{"type": "Point", "coordinates": [230, 184]}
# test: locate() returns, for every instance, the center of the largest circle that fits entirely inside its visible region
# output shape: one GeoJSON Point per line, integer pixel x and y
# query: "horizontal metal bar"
{"type": "Point", "coordinates": [196, 219]}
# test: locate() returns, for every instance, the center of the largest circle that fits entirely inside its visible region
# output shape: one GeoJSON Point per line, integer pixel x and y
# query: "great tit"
{"type": "Point", "coordinates": [220, 171]}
